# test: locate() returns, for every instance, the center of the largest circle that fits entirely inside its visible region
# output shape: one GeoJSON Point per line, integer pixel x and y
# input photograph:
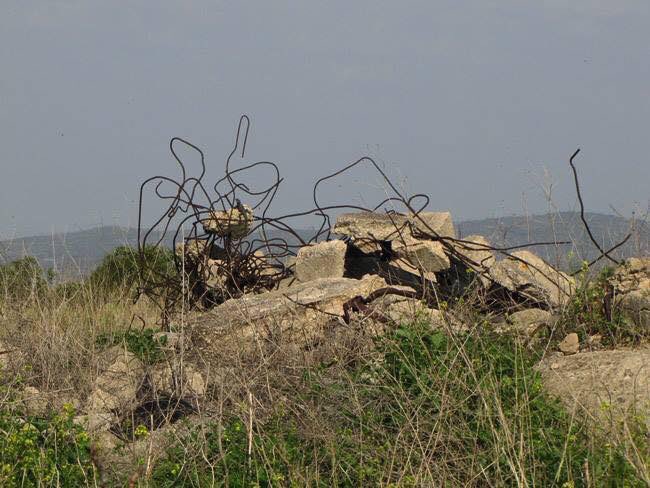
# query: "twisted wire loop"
{"type": "Point", "coordinates": [227, 244]}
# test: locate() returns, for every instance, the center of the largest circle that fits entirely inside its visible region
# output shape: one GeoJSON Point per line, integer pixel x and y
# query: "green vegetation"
{"type": "Point", "coordinates": [122, 269]}
{"type": "Point", "coordinates": [142, 343]}
{"type": "Point", "coordinates": [587, 314]}
{"type": "Point", "coordinates": [50, 451]}
{"type": "Point", "coordinates": [21, 279]}
{"type": "Point", "coordinates": [434, 410]}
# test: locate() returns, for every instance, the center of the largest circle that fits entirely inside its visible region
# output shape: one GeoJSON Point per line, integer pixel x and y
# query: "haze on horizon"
{"type": "Point", "coordinates": [477, 104]}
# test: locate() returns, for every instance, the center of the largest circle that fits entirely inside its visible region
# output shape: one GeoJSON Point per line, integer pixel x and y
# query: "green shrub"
{"type": "Point", "coordinates": [51, 451]}
{"type": "Point", "coordinates": [586, 313]}
{"type": "Point", "coordinates": [21, 279]}
{"type": "Point", "coordinates": [122, 269]}
{"type": "Point", "coordinates": [142, 343]}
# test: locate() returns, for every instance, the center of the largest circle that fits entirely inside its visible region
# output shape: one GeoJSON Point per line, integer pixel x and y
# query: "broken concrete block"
{"type": "Point", "coordinates": [438, 222]}
{"type": "Point", "coordinates": [321, 260]}
{"type": "Point", "coordinates": [235, 223]}
{"type": "Point", "coordinates": [530, 277]}
{"type": "Point", "coordinates": [630, 285]}
{"type": "Point", "coordinates": [372, 226]}
{"type": "Point", "coordinates": [118, 385]}
{"type": "Point", "coordinates": [296, 314]}
{"type": "Point", "coordinates": [426, 255]}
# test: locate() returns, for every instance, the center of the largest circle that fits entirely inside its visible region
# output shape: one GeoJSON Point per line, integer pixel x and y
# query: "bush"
{"type": "Point", "coordinates": [586, 314]}
{"type": "Point", "coordinates": [122, 270]}
{"type": "Point", "coordinates": [22, 279]}
{"type": "Point", "coordinates": [49, 451]}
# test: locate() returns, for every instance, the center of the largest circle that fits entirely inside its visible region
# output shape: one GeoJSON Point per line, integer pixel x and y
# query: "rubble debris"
{"type": "Point", "coordinates": [234, 222]}
{"type": "Point", "coordinates": [630, 290]}
{"type": "Point", "coordinates": [297, 313]}
{"type": "Point", "coordinates": [570, 344]}
{"type": "Point", "coordinates": [321, 260]}
{"type": "Point", "coordinates": [526, 275]}
{"type": "Point", "coordinates": [600, 384]}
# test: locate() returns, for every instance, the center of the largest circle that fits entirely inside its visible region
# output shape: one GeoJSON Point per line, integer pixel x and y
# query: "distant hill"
{"type": "Point", "coordinates": [608, 230]}
{"type": "Point", "coordinates": [77, 253]}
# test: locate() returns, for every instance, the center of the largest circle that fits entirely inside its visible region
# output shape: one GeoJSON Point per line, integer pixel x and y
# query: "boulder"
{"type": "Point", "coordinates": [36, 402]}
{"type": "Point", "coordinates": [235, 222]}
{"type": "Point", "coordinates": [600, 383]}
{"type": "Point", "coordinates": [438, 222]}
{"type": "Point", "coordinates": [476, 249]}
{"type": "Point", "coordinates": [530, 277]}
{"type": "Point", "coordinates": [321, 260]}
{"type": "Point", "coordinates": [570, 344]}
{"type": "Point", "coordinates": [365, 228]}
{"type": "Point", "coordinates": [174, 379]}
{"type": "Point", "coordinates": [630, 286]}
{"type": "Point", "coordinates": [117, 387]}
{"type": "Point", "coordinates": [529, 321]}
{"type": "Point", "coordinates": [427, 256]}
{"type": "Point", "coordinates": [372, 226]}
{"type": "Point", "coordinates": [295, 314]}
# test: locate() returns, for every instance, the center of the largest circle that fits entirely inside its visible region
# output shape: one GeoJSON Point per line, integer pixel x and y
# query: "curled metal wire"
{"type": "Point", "coordinates": [258, 260]}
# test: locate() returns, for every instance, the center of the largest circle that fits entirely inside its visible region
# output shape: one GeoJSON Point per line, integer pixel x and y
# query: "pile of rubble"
{"type": "Point", "coordinates": [420, 251]}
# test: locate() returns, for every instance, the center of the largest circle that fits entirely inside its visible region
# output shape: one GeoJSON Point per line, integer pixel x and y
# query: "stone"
{"type": "Point", "coordinates": [570, 344]}
{"type": "Point", "coordinates": [529, 321]}
{"type": "Point", "coordinates": [297, 313]}
{"type": "Point", "coordinates": [365, 228]}
{"type": "Point", "coordinates": [372, 226]}
{"type": "Point", "coordinates": [235, 222]}
{"type": "Point", "coordinates": [117, 387]}
{"type": "Point", "coordinates": [169, 340]}
{"type": "Point", "coordinates": [439, 222]}
{"type": "Point", "coordinates": [95, 421]}
{"type": "Point", "coordinates": [5, 356]}
{"type": "Point", "coordinates": [476, 249]}
{"type": "Point", "coordinates": [193, 249]}
{"type": "Point", "coordinates": [630, 286]}
{"type": "Point", "coordinates": [174, 379]}
{"type": "Point", "coordinates": [321, 260]}
{"type": "Point", "coordinates": [532, 278]}
{"type": "Point", "coordinates": [36, 403]}
{"type": "Point", "coordinates": [601, 383]}
{"type": "Point", "coordinates": [426, 255]}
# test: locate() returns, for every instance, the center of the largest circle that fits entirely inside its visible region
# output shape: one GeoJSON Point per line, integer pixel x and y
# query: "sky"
{"type": "Point", "coordinates": [478, 104]}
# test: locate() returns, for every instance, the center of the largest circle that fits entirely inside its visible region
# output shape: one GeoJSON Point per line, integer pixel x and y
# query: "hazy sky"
{"type": "Point", "coordinates": [477, 103]}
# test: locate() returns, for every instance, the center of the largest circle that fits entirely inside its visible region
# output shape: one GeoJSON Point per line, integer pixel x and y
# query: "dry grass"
{"type": "Point", "coordinates": [416, 406]}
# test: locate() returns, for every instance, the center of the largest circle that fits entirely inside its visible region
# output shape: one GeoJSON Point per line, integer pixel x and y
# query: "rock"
{"type": "Point", "coordinates": [366, 227]}
{"type": "Point", "coordinates": [297, 314]}
{"type": "Point", "coordinates": [321, 260]}
{"type": "Point", "coordinates": [95, 421]}
{"type": "Point", "coordinates": [193, 249]}
{"type": "Point", "coordinates": [438, 222]}
{"type": "Point", "coordinates": [426, 255]}
{"type": "Point", "coordinates": [176, 380]}
{"type": "Point", "coordinates": [570, 344]}
{"type": "Point", "coordinates": [169, 340]}
{"type": "Point", "coordinates": [235, 222]}
{"type": "Point", "coordinates": [529, 321]}
{"type": "Point", "coordinates": [36, 403]}
{"type": "Point", "coordinates": [631, 290]}
{"type": "Point", "coordinates": [532, 278]}
{"type": "Point", "coordinates": [5, 356]}
{"type": "Point", "coordinates": [117, 387]}
{"type": "Point", "coordinates": [372, 225]}
{"type": "Point", "coordinates": [476, 249]}
{"type": "Point", "coordinates": [601, 383]}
